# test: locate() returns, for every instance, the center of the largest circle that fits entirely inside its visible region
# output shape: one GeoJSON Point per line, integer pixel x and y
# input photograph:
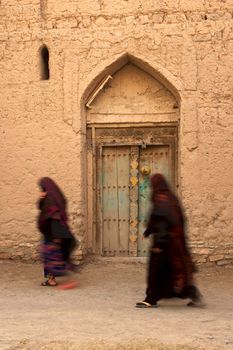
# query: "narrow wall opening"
{"type": "Point", "coordinates": [44, 63]}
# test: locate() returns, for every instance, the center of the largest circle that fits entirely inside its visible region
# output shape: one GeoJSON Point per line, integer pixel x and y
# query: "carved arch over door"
{"type": "Point", "coordinates": [146, 114]}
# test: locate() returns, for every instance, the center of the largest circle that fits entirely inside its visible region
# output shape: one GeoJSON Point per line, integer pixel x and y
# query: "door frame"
{"type": "Point", "coordinates": [101, 135]}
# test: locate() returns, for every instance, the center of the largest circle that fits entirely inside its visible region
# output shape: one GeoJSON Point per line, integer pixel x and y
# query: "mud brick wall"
{"type": "Point", "coordinates": [186, 45]}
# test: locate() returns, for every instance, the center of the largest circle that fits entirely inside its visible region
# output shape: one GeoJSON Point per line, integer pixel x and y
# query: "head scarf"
{"type": "Point", "coordinates": [164, 200]}
{"type": "Point", "coordinates": [159, 186]}
{"type": "Point", "coordinates": [53, 206]}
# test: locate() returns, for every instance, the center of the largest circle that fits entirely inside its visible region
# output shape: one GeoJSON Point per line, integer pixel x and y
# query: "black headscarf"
{"type": "Point", "coordinates": [53, 206]}
{"type": "Point", "coordinates": [165, 201]}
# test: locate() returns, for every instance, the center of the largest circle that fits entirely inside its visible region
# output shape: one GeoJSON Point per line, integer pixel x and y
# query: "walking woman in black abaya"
{"type": "Point", "coordinates": [170, 268]}
{"type": "Point", "coordinates": [58, 242]}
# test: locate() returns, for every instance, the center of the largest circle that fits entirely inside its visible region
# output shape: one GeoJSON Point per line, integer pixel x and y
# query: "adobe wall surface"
{"type": "Point", "coordinates": [186, 46]}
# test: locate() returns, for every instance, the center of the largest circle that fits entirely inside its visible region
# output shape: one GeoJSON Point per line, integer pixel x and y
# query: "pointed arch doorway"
{"type": "Point", "coordinates": [132, 128]}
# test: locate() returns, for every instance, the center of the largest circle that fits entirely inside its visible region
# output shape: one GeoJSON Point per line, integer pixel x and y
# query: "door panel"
{"type": "Point", "coordinates": [115, 199]}
{"type": "Point", "coordinates": [154, 159]}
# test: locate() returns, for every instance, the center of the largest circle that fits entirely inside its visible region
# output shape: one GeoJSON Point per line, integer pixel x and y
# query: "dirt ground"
{"type": "Point", "coordinates": [100, 313]}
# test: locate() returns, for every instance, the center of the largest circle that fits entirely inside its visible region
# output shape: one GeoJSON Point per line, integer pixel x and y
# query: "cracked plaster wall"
{"type": "Point", "coordinates": [43, 125]}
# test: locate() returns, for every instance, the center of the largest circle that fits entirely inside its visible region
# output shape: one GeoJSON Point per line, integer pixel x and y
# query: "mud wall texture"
{"type": "Point", "coordinates": [185, 47]}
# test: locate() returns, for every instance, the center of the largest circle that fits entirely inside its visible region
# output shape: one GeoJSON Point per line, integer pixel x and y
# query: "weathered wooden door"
{"type": "Point", "coordinates": [124, 199]}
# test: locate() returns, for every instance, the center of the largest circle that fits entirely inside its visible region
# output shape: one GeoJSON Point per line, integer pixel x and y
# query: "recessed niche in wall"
{"type": "Point", "coordinates": [44, 63]}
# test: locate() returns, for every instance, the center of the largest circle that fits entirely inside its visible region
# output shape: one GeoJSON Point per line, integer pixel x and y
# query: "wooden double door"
{"type": "Point", "coordinates": [124, 204]}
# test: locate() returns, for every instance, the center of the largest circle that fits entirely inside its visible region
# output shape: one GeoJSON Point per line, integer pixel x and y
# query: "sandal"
{"type": "Point", "coordinates": [144, 304]}
{"type": "Point", "coordinates": [47, 283]}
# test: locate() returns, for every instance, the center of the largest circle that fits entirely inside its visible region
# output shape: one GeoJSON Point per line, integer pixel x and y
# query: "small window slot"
{"type": "Point", "coordinates": [44, 58]}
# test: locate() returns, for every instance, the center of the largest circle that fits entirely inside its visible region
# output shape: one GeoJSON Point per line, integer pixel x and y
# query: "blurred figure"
{"type": "Point", "coordinates": [58, 241]}
{"type": "Point", "coordinates": [170, 270]}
